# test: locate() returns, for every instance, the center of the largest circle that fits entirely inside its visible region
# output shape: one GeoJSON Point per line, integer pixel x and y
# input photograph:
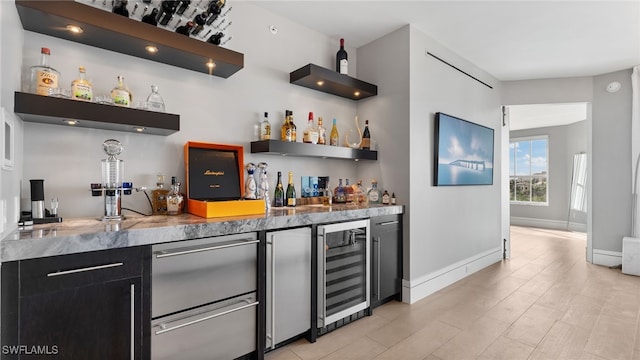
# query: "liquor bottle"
{"type": "Point", "coordinates": [310, 134]}
{"type": "Point", "coordinates": [348, 192]}
{"type": "Point", "coordinates": [43, 76]}
{"type": "Point", "coordinates": [385, 198]}
{"type": "Point", "coordinates": [167, 9]}
{"type": "Point", "coordinates": [159, 197]}
{"type": "Point", "coordinates": [375, 197]}
{"type": "Point", "coordinates": [333, 137]}
{"type": "Point", "coordinates": [200, 20]}
{"type": "Point", "coordinates": [278, 195]}
{"type": "Point", "coordinates": [366, 137]}
{"type": "Point", "coordinates": [291, 191]}
{"type": "Point", "coordinates": [341, 59]}
{"type": "Point", "coordinates": [265, 127]}
{"type": "Point", "coordinates": [285, 126]}
{"type": "Point", "coordinates": [360, 194]}
{"type": "Point", "coordinates": [81, 88]}
{"type": "Point", "coordinates": [154, 100]}
{"type": "Point", "coordinates": [338, 193]}
{"type": "Point", "coordinates": [151, 18]}
{"type": "Point", "coordinates": [327, 198]}
{"type": "Point", "coordinates": [185, 29]}
{"type": "Point", "coordinates": [215, 8]}
{"type": "Point", "coordinates": [175, 200]}
{"type": "Point", "coordinates": [393, 198]}
{"type": "Point", "coordinates": [215, 38]}
{"type": "Point", "coordinates": [288, 132]}
{"type": "Point", "coordinates": [120, 8]}
{"type": "Point", "coordinates": [120, 94]}
{"type": "Point", "coordinates": [322, 132]}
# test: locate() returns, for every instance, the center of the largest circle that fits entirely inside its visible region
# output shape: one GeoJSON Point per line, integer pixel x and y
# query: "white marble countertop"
{"type": "Point", "coordinates": [90, 234]}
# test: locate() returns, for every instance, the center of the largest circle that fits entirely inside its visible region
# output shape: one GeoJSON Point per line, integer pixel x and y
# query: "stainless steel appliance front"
{"type": "Point", "coordinates": [344, 252]}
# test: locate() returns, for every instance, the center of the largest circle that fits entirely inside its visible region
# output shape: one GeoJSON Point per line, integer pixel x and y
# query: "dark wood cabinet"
{"type": "Point", "coordinates": [81, 306]}
{"type": "Point", "coordinates": [386, 259]}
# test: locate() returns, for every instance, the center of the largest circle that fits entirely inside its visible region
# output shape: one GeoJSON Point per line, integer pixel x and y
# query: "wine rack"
{"type": "Point", "coordinates": [322, 79]}
{"type": "Point", "coordinates": [117, 33]}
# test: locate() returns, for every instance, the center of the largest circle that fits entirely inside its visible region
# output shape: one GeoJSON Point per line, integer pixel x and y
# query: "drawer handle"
{"type": "Point", "coordinates": [164, 329]}
{"type": "Point", "coordinates": [91, 268]}
{"type": "Point", "coordinates": [176, 252]}
{"type": "Point", "coordinates": [389, 223]}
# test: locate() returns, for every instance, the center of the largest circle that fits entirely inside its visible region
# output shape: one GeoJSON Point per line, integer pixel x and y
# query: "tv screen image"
{"type": "Point", "coordinates": [463, 152]}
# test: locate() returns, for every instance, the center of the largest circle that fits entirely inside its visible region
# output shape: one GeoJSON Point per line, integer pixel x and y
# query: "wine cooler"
{"type": "Point", "coordinates": [343, 270]}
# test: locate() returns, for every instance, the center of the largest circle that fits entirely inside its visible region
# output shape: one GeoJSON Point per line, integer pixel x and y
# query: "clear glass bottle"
{"type": "Point", "coordinates": [154, 100]}
{"type": "Point", "coordinates": [349, 192]}
{"type": "Point", "coordinates": [43, 76]}
{"type": "Point", "coordinates": [310, 133]}
{"type": "Point", "coordinates": [361, 194]}
{"type": "Point", "coordinates": [333, 137]}
{"type": "Point", "coordinates": [322, 132]}
{"type": "Point", "coordinates": [81, 88]}
{"type": "Point", "coordinates": [327, 198]}
{"type": "Point", "coordinates": [265, 127]}
{"type": "Point", "coordinates": [120, 94]}
{"type": "Point", "coordinates": [374, 194]}
{"type": "Point", "coordinates": [175, 200]}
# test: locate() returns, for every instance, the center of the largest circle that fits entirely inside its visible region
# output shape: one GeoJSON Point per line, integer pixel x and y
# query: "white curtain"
{"type": "Point", "coordinates": [635, 147]}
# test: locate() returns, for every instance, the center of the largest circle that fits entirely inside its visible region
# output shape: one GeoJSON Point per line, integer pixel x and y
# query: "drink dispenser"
{"type": "Point", "coordinates": [112, 184]}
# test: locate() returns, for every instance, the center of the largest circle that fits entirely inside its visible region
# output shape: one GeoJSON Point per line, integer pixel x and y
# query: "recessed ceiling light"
{"type": "Point", "coordinates": [74, 29]}
{"type": "Point", "coordinates": [357, 93]}
{"type": "Point", "coordinates": [151, 49]}
{"type": "Point", "coordinates": [139, 129]}
{"type": "Point", "coordinates": [71, 122]}
{"type": "Point", "coordinates": [320, 82]}
{"type": "Point", "coordinates": [210, 64]}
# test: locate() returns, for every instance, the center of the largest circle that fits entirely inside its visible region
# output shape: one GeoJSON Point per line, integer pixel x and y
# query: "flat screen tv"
{"type": "Point", "coordinates": [463, 152]}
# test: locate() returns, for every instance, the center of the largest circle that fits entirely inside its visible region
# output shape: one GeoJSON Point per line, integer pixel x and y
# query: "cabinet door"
{"type": "Point", "coordinates": [288, 302]}
{"type": "Point", "coordinates": [97, 321]}
{"type": "Point", "coordinates": [386, 233]}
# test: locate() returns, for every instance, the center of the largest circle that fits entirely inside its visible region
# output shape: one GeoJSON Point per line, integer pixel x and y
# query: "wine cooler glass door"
{"type": "Point", "coordinates": [344, 252]}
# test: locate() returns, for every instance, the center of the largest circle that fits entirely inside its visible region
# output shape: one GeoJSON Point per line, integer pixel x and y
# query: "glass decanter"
{"type": "Point", "coordinates": [250, 186]}
{"type": "Point", "coordinates": [154, 100]}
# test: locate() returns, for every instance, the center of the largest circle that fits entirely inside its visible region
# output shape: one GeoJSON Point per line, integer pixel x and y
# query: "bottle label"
{"type": "Point", "coordinates": [366, 143]}
{"type": "Point", "coordinates": [291, 202]}
{"type": "Point", "coordinates": [46, 80]}
{"type": "Point", "coordinates": [374, 196]}
{"type": "Point", "coordinates": [333, 141]}
{"type": "Point", "coordinates": [310, 137]}
{"type": "Point", "coordinates": [385, 199]}
{"type": "Point", "coordinates": [266, 132]}
{"type": "Point", "coordinates": [82, 92]}
{"type": "Point", "coordinates": [344, 66]}
{"type": "Point", "coordinates": [288, 135]}
{"type": "Point", "coordinates": [120, 97]}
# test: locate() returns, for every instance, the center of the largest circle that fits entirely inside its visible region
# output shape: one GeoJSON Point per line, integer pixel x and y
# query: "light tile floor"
{"type": "Point", "coordinates": [546, 302]}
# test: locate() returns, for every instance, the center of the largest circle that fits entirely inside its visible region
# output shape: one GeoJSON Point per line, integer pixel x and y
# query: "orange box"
{"type": "Point", "coordinates": [215, 181]}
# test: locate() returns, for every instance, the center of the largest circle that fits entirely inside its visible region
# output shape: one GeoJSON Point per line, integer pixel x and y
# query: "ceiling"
{"type": "Point", "coordinates": [535, 116]}
{"type": "Point", "coordinates": [511, 40]}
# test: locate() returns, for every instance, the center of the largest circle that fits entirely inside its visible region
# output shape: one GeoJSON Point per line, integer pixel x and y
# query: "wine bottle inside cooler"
{"type": "Point", "coordinates": [342, 64]}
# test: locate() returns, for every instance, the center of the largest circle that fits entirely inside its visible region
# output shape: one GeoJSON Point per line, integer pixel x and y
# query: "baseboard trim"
{"type": "Point", "coordinates": [607, 258]}
{"type": "Point", "coordinates": [417, 289]}
{"type": "Point", "coordinates": [548, 224]}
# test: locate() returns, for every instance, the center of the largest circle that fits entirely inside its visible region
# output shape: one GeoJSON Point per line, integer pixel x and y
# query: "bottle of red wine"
{"type": "Point", "coordinates": [366, 137]}
{"type": "Point", "coordinates": [341, 59]}
{"type": "Point", "coordinates": [185, 29]}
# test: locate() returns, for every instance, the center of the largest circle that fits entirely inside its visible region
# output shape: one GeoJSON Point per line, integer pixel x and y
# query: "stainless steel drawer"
{"type": "Point", "coordinates": [225, 330]}
{"type": "Point", "coordinates": [192, 273]}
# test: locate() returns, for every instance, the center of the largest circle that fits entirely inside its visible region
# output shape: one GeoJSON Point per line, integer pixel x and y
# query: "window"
{"type": "Point", "coordinates": [528, 171]}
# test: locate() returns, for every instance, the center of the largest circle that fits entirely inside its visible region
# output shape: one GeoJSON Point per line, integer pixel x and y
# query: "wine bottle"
{"type": "Point", "coordinates": [200, 21]}
{"type": "Point", "coordinates": [151, 18]}
{"type": "Point", "coordinates": [366, 137]}
{"type": "Point", "coordinates": [168, 8]}
{"type": "Point", "coordinates": [278, 195]}
{"type": "Point", "coordinates": [43, 76]}
{"type": "Point", "coordinates": [215, 38]}
{"type": "Point", "coordinates": [291, 191]}
{"type": "Point", "coordinates": [333, 137]}
{"type": "Point", "coordinates": [342, 63]}
{"type": "Point", "coordinates": [322, 132]}
{"type": "Point", "coordinates": [184, 4]}
{"type": "Point", "coordinates": [215, 8]}
{"type": "Point", "coordinates": [81, 88]}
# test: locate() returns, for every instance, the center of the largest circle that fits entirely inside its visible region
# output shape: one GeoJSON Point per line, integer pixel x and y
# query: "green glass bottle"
{"type": "Point", "coordinates": [278, 196]}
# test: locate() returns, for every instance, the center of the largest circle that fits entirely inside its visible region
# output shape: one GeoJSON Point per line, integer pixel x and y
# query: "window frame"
{"type": "Point", "coordinates": [513, 161]}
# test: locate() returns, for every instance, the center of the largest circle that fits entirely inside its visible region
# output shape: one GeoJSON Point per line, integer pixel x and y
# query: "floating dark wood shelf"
{"type": "Point", "coordinates": [277, 147]}
{"type": "Point", "coordinates": [118, 33]}
{"type": "Point", "coordinates": [57, 111]}
{"type": "Point", "coordinates": [331, 82]}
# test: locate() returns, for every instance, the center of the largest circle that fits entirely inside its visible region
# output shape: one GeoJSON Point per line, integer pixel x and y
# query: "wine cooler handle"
{"type": "Point", "coordinates": [389, 223]}
{"type": "Point", "coordinates": [378, 270]}
{"type": "Point", "coordinates": [133, 321]}
{"type": "Point", "coordinates": [273, 290]}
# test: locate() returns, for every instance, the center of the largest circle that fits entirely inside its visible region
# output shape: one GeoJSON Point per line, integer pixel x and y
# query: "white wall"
{"type": "Point", "coordinates": [212, 109]}
{"type": "Point", "coordinates": [564, 142]}
{"type": "Point", "coordinates": [452, 231]}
